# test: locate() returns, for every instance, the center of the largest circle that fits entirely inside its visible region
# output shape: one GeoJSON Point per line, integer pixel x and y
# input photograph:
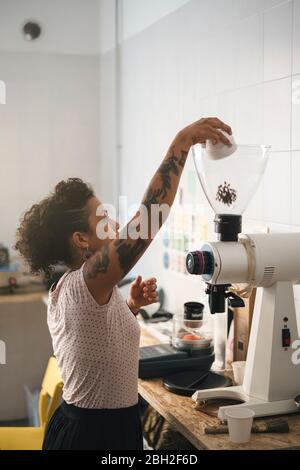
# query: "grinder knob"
{"type": "Point", "coordinates": [200, 262]}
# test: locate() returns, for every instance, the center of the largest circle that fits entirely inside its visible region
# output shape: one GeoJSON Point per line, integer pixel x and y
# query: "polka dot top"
{"type": "Point", "coordinates": [96, 346]}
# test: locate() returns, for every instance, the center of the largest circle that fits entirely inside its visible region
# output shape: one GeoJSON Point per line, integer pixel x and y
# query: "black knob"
{"type": "Point", "coordinates": [200, 262]}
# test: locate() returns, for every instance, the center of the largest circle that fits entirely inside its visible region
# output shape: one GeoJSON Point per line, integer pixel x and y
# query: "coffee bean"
{"type": "Point", "coordinates": [226, 194]}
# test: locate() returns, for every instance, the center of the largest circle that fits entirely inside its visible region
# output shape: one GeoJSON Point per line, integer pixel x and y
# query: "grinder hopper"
{"type": "Point", "coordinates": [230, 183]}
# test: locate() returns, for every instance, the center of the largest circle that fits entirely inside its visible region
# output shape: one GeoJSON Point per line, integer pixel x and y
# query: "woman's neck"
{"type": "Point", "coordinates": [77, 262]}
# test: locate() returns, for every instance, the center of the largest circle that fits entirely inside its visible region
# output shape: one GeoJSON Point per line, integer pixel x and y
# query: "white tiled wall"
{"type": "Point", "coordinates": [237, 59]}
{"type": "Point", "coordinates": [278, 29]}
{"type": "Point", "coordinates": [277, 189]}
{"type": "Point", "coordinates": [277, 113]}
{"type": "Point", "coordinates": [296, 112]}
{"type": "Point", "coordinates": [295, 188]}
{"type": "Point", "coordinates": [296, 38]}
{"type": "Point", "coordinates": [250, 51]}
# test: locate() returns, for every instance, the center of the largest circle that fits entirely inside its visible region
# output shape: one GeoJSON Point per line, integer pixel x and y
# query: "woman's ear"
{"type": "Point", "coordinates": [80, 240]}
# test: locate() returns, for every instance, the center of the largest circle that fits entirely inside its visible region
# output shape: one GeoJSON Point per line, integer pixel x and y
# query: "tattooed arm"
{"type": "Point", "coordinates": [117, 257]}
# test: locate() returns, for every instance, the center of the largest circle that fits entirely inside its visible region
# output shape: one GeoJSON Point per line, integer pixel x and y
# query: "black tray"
{"type": "Point", "coordinates": [183, 383]}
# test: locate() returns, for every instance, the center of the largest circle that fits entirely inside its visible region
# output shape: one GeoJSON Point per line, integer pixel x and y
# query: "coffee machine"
{"type": "Point", "coordinates": [238, 262]}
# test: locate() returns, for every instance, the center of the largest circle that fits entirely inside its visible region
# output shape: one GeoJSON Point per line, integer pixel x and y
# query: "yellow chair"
{"type": "Point", "coordinates": [31, 438]}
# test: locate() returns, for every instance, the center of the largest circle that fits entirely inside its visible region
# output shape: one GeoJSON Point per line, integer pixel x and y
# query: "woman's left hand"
{"type": "Point", "coordinates": [142, 293]}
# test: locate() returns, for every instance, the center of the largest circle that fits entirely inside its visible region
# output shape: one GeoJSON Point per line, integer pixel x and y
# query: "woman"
{"type": "Point", "coordinates": [94, 331]}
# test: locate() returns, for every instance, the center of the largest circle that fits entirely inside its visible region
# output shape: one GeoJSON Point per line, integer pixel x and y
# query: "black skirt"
{"type": "Point", "coordinates": [74, 428]}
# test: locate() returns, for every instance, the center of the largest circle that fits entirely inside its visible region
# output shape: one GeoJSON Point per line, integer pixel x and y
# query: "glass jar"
{"type": "Point", "coordinates": [190, 330]}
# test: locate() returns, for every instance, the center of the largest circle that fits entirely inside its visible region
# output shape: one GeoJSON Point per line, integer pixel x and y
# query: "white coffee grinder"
{"type": "Point", "coordinates": [270, 262]}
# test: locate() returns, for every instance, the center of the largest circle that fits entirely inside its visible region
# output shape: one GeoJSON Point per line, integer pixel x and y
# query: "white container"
{"type": "Point", "coordinates": [239, 420]}
{"type": "Point", "coordinates": [220, 150]}
{"type": "Point", "coordinates": [238, 368]}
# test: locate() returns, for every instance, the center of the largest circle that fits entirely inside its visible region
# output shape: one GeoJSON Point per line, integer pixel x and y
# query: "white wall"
{"type": "Point", "coordinates": [232, 58]}
{"type": "Point", "coordinates": [68, 26]}
{"type": "Point", "coordinates": [109, 99]}
{"type": "Point", "coordinates": [107, 25]}
{"type": "Point", "coordinates": [49, 126]}
{"type": "Point", "coordinates": [48, 129]}
{"type": "Point", "coordinates": [138, 15]}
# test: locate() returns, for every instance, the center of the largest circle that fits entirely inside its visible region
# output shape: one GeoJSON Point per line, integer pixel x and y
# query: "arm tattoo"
{"type": "Point", "coordinates": [128, 252]}
{"type": "Point", "coordinates": [151, 197]}
{"type": "Point", "coordinates": [182, 159]}
{"type": "Point", "coordinates": [169, 166]}
{"type": "Point", "coordinates": [165, 170]}
{"type": "Point", "coordinates": [97, 264]}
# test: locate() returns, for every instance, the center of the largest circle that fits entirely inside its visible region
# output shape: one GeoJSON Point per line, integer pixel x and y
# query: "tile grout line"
{"type": "Point", "coordinates": [291, 115]}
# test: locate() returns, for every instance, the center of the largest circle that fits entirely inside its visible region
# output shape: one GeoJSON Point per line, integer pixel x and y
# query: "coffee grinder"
{"type": "Point", "coordinates": [270, 262]}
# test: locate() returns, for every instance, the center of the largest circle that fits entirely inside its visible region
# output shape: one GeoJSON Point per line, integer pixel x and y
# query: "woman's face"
{"type": "Point", "coordinates": [102, 227]}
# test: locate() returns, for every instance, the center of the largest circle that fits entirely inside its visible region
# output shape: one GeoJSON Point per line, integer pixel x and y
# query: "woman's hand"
{"type": "Point", "coordinates": [200, 131]}
{"type": "Point", "coordinates": [142, 293]}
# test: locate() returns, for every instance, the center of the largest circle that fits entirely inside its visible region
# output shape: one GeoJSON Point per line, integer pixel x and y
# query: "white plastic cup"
{"type": "Point", "coordinates": [239, 422]}
{"type": "Point", "coordinates": [238, 368]}
{"type": "Point", "coordinates": [220, 150]}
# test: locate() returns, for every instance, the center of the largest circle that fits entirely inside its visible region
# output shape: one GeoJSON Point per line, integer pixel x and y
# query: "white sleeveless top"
{"type": "Point", "coordinates": [96, 346]}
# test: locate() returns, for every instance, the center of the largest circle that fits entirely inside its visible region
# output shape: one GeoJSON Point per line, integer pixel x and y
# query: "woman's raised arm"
{"type": "Point", "coordinates": [116, 258]}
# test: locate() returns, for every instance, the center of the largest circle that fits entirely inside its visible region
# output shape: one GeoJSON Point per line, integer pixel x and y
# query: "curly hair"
{"type": "Point", "coordinates": [43, 237]}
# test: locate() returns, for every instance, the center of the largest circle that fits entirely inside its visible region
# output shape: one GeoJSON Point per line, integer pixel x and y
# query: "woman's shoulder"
{"type": "Point", "coordinates": [72, 289]}
{"type": "Point", "coordinates": [55, 287]}
{"type": "Point", "coordinates": [67, 282]}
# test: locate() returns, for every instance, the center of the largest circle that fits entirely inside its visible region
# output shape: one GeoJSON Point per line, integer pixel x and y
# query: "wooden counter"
{"type": "Point", "coordinates": [22, 297]}
{"type": "Point", "coordinates": [180, 412]}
